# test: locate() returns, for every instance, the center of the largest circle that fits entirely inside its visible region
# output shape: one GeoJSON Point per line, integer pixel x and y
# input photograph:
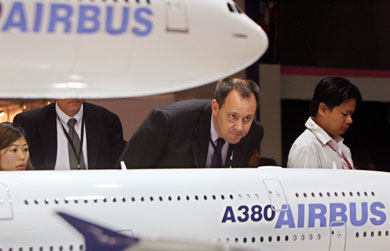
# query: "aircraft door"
{"type": "Point", "coordinates": [176, 16]}
{"type": "Point", "coordinates": [337, 236]}
{"type": "Point", "coordinates": [276, 194]}
{"type": "Point", "coordinates": [5, 203]}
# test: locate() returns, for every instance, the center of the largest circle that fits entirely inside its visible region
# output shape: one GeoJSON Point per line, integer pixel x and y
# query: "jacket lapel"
{"type": "Point", "coordinates": [200, 144]}
{"type": "Point", "coordinates": [92, 125]}
{"type": "Point", "coordinates": [48, 134]}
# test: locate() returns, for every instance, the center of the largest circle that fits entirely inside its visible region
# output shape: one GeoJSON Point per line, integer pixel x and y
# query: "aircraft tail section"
{"type": "Point", "coordinates": [98, 238]}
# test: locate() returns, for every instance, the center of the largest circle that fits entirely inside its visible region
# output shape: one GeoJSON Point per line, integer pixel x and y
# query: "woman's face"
{"type": "Point", "coordinates": [15, 156]}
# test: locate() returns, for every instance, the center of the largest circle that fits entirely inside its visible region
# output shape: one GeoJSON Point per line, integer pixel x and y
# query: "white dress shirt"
{"type": "Point", "coordinates": [62, 160]}
{"type": "Point", "coordinates": [214, 137]}
{"type": "Point", "coordinates": [314, 148]}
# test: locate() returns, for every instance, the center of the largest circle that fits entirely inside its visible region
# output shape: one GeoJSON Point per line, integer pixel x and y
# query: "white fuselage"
{"type": "Point", "coordinates": [267, 208]}
{"type": "Point", "coordinates": [99, 49]}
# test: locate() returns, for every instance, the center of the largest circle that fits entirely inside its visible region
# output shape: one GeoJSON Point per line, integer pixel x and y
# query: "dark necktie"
{"type": "Point", "coordinates": [216, 161]}
{"type": "Point", "coordinates": [73, 160]}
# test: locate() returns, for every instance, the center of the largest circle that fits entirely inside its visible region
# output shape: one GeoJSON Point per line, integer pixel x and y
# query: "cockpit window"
{"type": "Point", "coordinates": [230, 6]}
{"type": "Point", "coordinates": [238, 9]}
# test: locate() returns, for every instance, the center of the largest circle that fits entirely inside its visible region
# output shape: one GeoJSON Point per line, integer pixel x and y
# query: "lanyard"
{"type": "Point", "coordinates": [78, 155]}
{"type": "Point", "coordinates": [342, 156]}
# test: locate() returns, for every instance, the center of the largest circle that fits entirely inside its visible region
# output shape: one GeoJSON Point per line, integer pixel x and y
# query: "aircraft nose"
{"type": "Point", "coordinates": [257, 39]}
{"type": "Point", "coordinates": [249, 41]}
{"type": "Point", "coordinates": [262, 40]}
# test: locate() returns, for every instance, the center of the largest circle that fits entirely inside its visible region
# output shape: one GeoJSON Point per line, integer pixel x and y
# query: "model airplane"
{"type": "Point", "coordinates": [98, 238]}
{"type": "Point", "coordinates": [266, 208]}
{"type": "Point", "coordinates": [121, 48]}
{"type": "Point", "coordinates": [115, 48]}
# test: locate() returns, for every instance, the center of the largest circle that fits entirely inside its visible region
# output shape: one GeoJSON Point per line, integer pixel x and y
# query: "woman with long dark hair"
{"type": "Point", "coordinates": [14, 154]}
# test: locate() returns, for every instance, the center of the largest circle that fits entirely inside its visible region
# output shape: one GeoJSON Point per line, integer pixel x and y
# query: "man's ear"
{"type": "Point", "coordinates": [322, 107]}
{"type": "Point", "coordinates": [214, 106]}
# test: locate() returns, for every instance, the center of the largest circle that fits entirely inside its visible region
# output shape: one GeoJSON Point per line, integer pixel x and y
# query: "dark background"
{"type": "Point", "coordinates": [336, 34]}
{"type": "Point", "coordinates": [331, 34]}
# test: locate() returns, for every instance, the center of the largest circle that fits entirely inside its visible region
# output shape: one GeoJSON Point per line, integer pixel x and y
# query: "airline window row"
{"type": "Point", "coordinates": [51, 248]}
{"type": "Point", "coordinates": [335, 194]}
{"type": "Point", "coordinates": [141, 198]}
{"type": "Point", "coordinates": [372, 234]}
{"type": "Point", "coordinates": [286, 238]}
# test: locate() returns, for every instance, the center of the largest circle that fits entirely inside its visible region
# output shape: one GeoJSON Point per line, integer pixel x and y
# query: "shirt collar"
{"type": "Point", "coordinates": [320, 133]}
{"type": "Point", "coordinates": [64, 117]}
{"type": "Point", "coordinates": [213, 133]}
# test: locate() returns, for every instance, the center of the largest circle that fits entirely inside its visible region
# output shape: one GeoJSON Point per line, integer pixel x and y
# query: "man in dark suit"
{"type": "Point", "coordinates": [99, 131]}
{"type": "Point", "coordinates": [200, 133]}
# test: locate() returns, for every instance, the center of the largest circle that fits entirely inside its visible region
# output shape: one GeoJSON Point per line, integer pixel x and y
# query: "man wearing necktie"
{"type": "Point", "coordinates": [71, 134]}
{"type": "Point", "coordinates": [200, 133]}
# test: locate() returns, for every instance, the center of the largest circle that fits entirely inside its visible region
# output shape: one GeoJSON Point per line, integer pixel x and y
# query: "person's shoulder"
{"type": "Point", "coordinates": [183, 112]}
{"type": "Point", "coordinates": [94, 107]}
{"type": "Point", "coordinates": [185, 107]}
{"type": "Point", "coordinates": [37, 113]}
{"type": "Point", "coordinates": [192, 104]}
{"type": "Point", "coordinates": [89, 107]}
{"type": "Point", "coordinates": [256, 130]}
{"type": "Point", "coordinates": [306, 140]}
{"type": "Point", "coordinates": [257, 126]}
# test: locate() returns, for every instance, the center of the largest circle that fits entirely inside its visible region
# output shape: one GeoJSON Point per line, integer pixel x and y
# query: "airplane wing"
{"type": "Point", "coordinates": [99, 238]}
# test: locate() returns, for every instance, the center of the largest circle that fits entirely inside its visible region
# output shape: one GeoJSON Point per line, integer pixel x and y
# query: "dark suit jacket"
{"type": "Point", "coordinates": [104, 136]}
{"type": "Point", "coordinates": [177, 135]}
